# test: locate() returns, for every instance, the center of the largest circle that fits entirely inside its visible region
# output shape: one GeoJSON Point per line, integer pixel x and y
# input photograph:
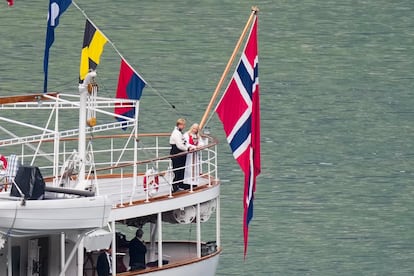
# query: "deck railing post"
{"type": "Point", "coordinates": [198, 232]}
{"type": "Point", "coordinates": [215, 162]}
{"type": "Point", "coordinates": [122, 188]}
{"type": "Point", "coordinates": [170, 181]}
{"type": "Point", "coordinates": [209, 166]}
{"type": "Point", "coordinates": [62, 250]}
{"type": "Point", "coordinates": [112, 155]}
{"type": "Point", "coordinates": [135, 167]}
{"type": "Point", "coordinates": [218, 222]}
{"type": "Point", "coordinates": [113, 246]}
{"type": "Point", "coordinates": [9, 257]}
{"type": "Point", "coordinates": [159, 226]}
{"type": "Point", "coordinates": [23, 154]}
{"type": "Point", "coordinates": [80, 256]}
{"type": "Point", "coordinates": [56, 143]}
{"type": "Point", "coordinates": [156, 149]}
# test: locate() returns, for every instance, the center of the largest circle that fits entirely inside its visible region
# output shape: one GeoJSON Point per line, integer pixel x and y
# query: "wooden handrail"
{"type": "Point", "coordinates": [26, 98]}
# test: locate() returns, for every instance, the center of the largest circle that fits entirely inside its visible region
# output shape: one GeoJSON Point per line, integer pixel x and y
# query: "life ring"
{"type": "Point", "coordinates": [151, 181]}
{"type": "Point", "coordinates": [3, 178]}
{"type": "Point", "coordinates": [4, 160]}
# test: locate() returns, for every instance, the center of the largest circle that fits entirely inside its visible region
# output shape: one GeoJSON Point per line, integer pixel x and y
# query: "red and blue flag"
{"type": "Point", "coordinates": [239, 111]}
{"type": "Point", "coordinates": [130, 86]}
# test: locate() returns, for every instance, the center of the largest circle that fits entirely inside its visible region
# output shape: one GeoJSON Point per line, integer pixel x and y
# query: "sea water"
{"type": "Point", "coordinates": [335, 196]}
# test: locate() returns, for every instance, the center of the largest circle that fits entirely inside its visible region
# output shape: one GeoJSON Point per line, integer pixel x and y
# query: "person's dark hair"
{"type": "Point", "coordinates": [139, 233]}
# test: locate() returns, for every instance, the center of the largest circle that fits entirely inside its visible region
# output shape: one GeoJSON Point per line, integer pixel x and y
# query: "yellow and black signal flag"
{"type": "Point", "coordinates": [92, 48]}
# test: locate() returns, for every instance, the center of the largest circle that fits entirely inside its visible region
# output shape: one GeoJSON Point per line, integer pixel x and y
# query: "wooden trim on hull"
{"type": "Point", "coordinates": [169, 266]}
{"type": "Point", "coordinates": [204, 187]}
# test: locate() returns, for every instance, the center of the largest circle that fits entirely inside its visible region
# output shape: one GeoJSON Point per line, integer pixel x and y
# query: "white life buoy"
{"type": "Point", "coordinates": [3, 173]}
{"type": "Point", "coordinates": [4, 160]}
{"type": "Point", "coordinates": [151, 181]}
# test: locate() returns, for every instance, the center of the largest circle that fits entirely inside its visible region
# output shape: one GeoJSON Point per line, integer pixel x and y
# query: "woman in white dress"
{"type": "Point", "coordinates": [193, 162]}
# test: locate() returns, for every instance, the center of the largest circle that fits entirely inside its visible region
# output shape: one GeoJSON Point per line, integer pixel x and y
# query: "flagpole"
{"type": "Point", "coordinates": [229, 63]}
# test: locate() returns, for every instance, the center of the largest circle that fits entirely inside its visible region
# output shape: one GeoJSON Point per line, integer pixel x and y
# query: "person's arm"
{"type": "Point", "coordinates": [179, 141]}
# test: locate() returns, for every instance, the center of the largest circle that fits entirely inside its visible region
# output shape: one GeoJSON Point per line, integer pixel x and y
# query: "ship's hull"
{"type": "Point", "coordinates": [205, 266]}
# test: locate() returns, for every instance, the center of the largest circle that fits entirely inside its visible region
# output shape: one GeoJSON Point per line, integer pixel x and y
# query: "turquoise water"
{"type": "Point", "coordinates": [336, 189]}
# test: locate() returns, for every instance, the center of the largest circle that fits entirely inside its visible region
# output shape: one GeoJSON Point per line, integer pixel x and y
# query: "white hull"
{"type": "Point", "coordinates": [205, 267]}
{"type": "Point", "coordinates": [36, 217]}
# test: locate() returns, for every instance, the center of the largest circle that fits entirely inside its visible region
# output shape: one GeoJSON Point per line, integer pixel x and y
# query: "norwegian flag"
{"type": "Point", "coordinates": [239, 111]}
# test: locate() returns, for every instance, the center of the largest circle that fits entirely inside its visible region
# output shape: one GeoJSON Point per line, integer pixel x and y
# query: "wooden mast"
{"type": "Point", "coordinates": [226, 70]}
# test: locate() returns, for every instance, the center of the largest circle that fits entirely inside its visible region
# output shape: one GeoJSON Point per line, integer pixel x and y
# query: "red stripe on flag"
{"type": "Point", "coordinates": [231, 107]}
{"type": "Point", "coordinates": [125, 73]}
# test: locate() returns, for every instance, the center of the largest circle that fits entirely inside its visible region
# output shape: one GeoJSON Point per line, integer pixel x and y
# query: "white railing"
{"type": "Point", "coordinates": [46, 134]}
{"type": "Point", "coordinates": [114, 155]}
